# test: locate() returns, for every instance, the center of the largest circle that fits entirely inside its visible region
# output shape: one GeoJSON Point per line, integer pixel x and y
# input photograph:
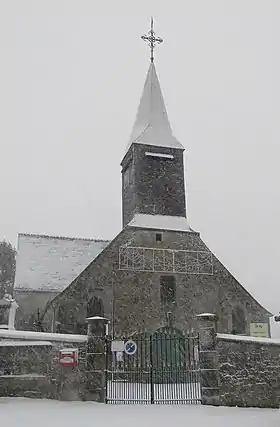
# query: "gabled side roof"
{"type": "Point", "coordinates": [51, 263]}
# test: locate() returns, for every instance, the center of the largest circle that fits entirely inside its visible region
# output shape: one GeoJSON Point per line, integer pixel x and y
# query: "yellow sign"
{"type": "Point", "coordinates": [259, 330]}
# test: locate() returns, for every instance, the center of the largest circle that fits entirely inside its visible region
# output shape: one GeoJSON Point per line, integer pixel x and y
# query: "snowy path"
{"type": "Point", "coordinates": [34, 413]}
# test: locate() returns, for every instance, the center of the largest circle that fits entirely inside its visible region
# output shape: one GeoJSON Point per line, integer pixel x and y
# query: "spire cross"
{"type": "Point", "coordinates": [152, 39]}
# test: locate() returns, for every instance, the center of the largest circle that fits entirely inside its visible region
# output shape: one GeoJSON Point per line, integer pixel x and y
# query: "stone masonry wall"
{"type": "Point", "coordinates": [25, 370]}
{"type": "Point", "coordinates": [25, 359]}
{"type": "Point", "coordinates": [156, 185]}
{"type": "Point", "coordinates": [132, 300]}
{"type": "Point", "coordinates": [249, 371]}
{"type": "Point", "coordinates": [33, 370]}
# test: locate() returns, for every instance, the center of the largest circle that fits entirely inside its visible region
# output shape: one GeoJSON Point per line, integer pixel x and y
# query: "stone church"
{"type": "Point", "coordinates": [157, 271]}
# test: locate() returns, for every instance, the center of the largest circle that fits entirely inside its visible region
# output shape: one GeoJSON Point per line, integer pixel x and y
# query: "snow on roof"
{"type": "Point", "coordinates": [23, 376]}
{"type": "Point", "coordinates": [272, 341]}
{"type": "Point", "coordinates": [42, 336]}
{"type": "Point", "coordinates": [52, 263]}
{"type": "Point", "coordinates": [160, 222]}
{"type": "Point", "coordinates": [96, 318]}
{"type": "Point", "coordinates": [161, 155]}
{"type": "Point", "coordinates": [152, 126]}
{"type": "Point", "coordinates": [206, 315]}
{"type": "Point", "coordinates": [11, 343]}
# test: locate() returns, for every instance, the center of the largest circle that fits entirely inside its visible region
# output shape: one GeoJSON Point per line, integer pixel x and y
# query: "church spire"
{"type": "Point", "coordinates": [153, 165]}
{"type": "Point", "coordinates": [152, 126]}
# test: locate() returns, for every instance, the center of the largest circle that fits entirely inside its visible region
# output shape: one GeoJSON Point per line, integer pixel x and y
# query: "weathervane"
{"type": "Point", "coordinates": [152, 39]}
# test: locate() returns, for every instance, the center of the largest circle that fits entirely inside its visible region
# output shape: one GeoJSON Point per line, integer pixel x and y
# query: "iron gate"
{"type": "Point", "coordinates": [163, 369]}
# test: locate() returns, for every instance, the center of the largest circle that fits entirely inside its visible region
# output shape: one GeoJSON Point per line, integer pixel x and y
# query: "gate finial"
{"type": "Point", "coordinates": [170, 319]}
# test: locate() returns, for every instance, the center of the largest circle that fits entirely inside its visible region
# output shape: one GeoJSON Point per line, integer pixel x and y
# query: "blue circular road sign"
{"type": "Point", "coordinates": [130, 347]}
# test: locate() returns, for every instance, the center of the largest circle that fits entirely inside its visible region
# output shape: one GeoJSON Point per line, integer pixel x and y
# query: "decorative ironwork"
{"type": "Point", "coordinates": [163, 370]}
{"type": "Point", "coordinates": [165, 260]}
{"type": "Point", "coordinates": [152, 39]}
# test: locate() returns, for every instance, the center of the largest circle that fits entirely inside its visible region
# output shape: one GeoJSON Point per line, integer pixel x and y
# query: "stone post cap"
{"type": "Point", "coordinates": [96, 318]}
{"type": "Point", "coordinates": [14, 304]}
{"type": "Point", "coordinates": [206, 316]}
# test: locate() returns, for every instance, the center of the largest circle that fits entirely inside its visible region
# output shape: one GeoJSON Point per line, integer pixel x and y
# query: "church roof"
{"type": "Point", "coordinates": [49, 263]}
{"type": "Point", "coordinates": [152, 126]}
{"type": "Point", "coordinates": [160, 222]}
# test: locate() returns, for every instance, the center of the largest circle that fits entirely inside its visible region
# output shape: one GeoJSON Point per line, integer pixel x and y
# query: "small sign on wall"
{"type": "Point", "coordinates": [68, 357]}
{"type": "Point", "coordinates": [259, 330]}
{"type": "Point", "coordinates": [117, 346]}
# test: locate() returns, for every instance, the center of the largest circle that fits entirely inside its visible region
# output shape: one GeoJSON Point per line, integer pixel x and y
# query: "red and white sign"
{"type": "Point", "coordinates": [68, 357]}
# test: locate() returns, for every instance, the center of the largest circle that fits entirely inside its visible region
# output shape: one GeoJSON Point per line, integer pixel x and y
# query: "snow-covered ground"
{"type": "Point", "coordinates": [44, 413]}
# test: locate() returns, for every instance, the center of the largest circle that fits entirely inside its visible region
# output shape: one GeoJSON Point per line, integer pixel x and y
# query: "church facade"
{"type": "Point", "coordinates": [157, 271]}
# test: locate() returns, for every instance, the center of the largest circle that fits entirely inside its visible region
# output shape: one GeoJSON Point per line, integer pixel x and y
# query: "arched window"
{"type": "Point", "coordinates": [60, 320]}
{"type": "Point", "coordinates": [238, 321]}
{"type": "Point", "coordinates": [95, 307]}
{"type": "Point", "coordinates": [168, 289]}
{"type": "Point", "coordinates": [61, 315]}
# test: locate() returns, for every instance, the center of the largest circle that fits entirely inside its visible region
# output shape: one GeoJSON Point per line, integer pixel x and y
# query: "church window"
{"type": "Point", "coordinates": [158, 237]}
{"type": "Point", "coordinates": [95, 307]}
{"type": "Point", "coordinates": [127, 176]}
{"type": "Point", "coordinates": [238, 321]}
{"type": "Point", "coordinates": [61, 315]}
{"type": "Point", "coordinates": [4, 315]}
{"type": "Point", "coordinates": [159, 155]}
{"type": "Point", "coordinates": [167, 289]}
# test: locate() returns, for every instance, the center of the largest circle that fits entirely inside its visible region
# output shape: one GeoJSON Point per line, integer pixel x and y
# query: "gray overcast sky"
{"type": "Point", "coordinates": [72, 73]}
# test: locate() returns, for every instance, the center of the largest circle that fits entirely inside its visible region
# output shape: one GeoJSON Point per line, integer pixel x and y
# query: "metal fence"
{"type": "Point", "coordinates": [156, 369]}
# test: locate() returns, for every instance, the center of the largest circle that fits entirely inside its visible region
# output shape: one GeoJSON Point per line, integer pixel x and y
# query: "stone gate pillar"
{"type": "Point", "coordinates": [208, 356]}
{"type": "Point", "coordinates": [96, 359]}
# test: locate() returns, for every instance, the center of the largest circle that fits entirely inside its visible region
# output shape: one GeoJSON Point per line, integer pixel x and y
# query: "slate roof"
{"type": "Point", "coordinates": [50, 263]}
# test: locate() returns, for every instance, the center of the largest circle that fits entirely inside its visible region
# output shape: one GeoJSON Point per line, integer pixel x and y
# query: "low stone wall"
{"type": "Point", "coordinates": [249, 371]}
{"type": "Point", "coordinates": [25, 368]}
{"type": "Point", "coordinates": [69, 382]}
{"type": "Point", "coordinates": [25, 357]}
{"type": "Point", "coordinates": [29, 365]}
{"type": "Point", "coordinates": [32, 386]}
{"type": "Point", "coordinates": [84, 381]}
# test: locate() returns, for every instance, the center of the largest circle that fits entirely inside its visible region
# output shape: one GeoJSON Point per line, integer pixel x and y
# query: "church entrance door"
{"type": "Point", "coordinates": [163, 369]}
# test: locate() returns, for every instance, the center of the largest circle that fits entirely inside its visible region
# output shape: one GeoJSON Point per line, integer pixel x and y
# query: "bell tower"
{"type": "Point", "coordinates": [153, 166]}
